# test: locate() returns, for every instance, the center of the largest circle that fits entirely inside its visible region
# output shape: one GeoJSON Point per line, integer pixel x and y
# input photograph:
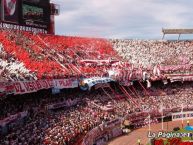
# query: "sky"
{"type": "Point", "coordinates": [124, 19]}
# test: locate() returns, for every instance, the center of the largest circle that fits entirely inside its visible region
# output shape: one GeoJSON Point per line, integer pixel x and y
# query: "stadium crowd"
{"type": "Point", "coordinates": [58, 56]}
{"type": "Point", "coordinates": [11, 69]}
{"type": "Point", "coordinates": [42, 56]}
{"type": "Point", "coordinates": [66, 117]}
{"type": "Point", "coordinates": [82, 111]}
{"type": "Point", "coordinates": [148, 53]}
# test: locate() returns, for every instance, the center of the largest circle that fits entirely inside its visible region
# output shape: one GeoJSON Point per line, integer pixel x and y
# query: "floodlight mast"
{"type": "Point", "coordinates": [176, 31]}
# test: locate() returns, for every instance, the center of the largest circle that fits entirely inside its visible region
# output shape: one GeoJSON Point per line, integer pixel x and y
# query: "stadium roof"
{"type": "Point", "coordinates": [176, 31]}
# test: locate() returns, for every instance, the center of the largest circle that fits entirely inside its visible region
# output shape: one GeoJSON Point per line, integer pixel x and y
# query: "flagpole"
{"type": "Point", "coordinates": [182, 115]}
{"type": "Point", "coordinates": [149, 123]}
{"type": "Point", "coordinates": [149, 126]}
{"type": "Point", "coordinates": [162, 117]}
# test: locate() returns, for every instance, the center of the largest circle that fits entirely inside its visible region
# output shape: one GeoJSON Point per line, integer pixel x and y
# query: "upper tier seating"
{"type": "Point", "coordinates": [151, 52]}
{"type": "Point", "coordinates": [50, 56]}
{"type": "Point", "coordinates": [13, 70]}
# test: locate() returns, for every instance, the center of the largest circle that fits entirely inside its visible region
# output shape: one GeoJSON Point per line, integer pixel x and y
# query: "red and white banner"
{"type": "Point", "coordinates": [175, 67]}
{"type": "Point", "coordinates": [34, 86]}
{"type": "Point", "coordinates": [12, 118]}
{"type": "Point", "coordinates": [98, 131]}
{"type": "Point", "coordinates": [65, 83]}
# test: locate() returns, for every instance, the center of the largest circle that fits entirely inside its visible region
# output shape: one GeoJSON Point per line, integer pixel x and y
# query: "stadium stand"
{"type": "Point", "coordinates": [151, 52]}
{"type": "Point", "coordinates": [46, 123]}
{"type": "Point", "coordinates": [57, 56]}
{"type": "Point", "coordinates": [68, 117]}
{"type": "Point", "coordinates": [12, 69]}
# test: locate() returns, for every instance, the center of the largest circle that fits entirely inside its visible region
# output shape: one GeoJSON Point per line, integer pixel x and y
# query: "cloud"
{"type": "Point", "coordinates": [122, 18]}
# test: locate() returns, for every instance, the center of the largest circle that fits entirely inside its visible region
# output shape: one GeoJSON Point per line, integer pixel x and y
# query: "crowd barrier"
{"type": "Point", "coordinates": [102, 133]}
{"type": "Point", "coordinates": [12, 119]}
{"type": "Point", "coordinates": [182, 115]}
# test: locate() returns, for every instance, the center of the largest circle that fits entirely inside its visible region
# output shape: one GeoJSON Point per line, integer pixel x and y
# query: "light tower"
{"type": "Point", "coordinates": [55, 11]}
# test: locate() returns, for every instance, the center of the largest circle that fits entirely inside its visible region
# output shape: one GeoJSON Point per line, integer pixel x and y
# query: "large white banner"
{"type": "Point", "coordinates": [88, 83]}
{"type": "Point", "coordinates": [180, 115]}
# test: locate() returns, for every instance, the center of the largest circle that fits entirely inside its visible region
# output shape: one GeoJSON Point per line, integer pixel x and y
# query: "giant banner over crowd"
{"type": "Point", "coordinates": [22, 87]}
{"type": "Point", "coordinates": [34, 86]}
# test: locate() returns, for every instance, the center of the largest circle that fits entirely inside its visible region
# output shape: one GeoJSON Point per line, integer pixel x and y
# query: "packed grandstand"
{"type": "Point", "coordinates": [62, 90]}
